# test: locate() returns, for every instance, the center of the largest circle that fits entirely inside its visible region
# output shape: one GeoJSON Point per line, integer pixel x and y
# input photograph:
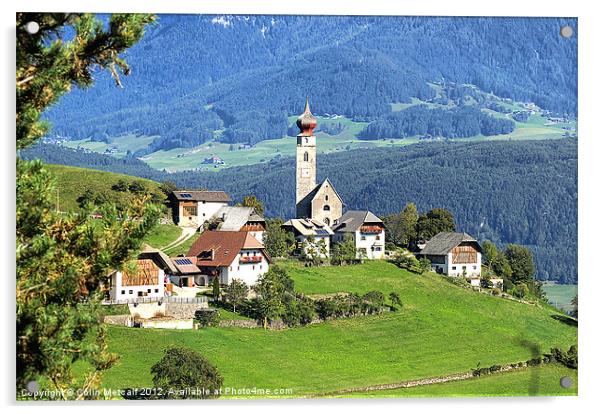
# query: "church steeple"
{"type": "Point", "coordinates": [306, 121]}
{"type": "Point", "coordinates": [306, 153]}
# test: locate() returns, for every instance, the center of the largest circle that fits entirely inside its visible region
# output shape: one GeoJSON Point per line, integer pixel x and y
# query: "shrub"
{"type": "Point", "coordinates": [299, 311]}
{"type": "Point", "coordinates": [395, 299]}
{"type": "Point", "coordinates": [496, 291]}
{"type": "Point", "coordinates": [207, 317]}
{"type": "Point", "coordinates": [424, 265]}
{"type": "Point", "coordinates": [520, 291]}
{"type": "Point", "coordinates": [184, 371]}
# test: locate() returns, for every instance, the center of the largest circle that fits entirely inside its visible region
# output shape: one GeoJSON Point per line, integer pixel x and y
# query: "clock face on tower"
{"type": "Point", "coordinates": [305, 172]}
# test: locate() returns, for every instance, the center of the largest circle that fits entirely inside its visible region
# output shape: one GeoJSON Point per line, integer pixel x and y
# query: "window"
{"type": "Point", "coordinates": [123, 292]}
{"type": "Point", "coordinates": [149, 290]}
{"type": "Point", "coordinates": [474, 268]}
{"type": "Point", "coordinates": [363, 238]}
{"type": "Point", "coordinates": [326, 197]}
{"type": "Point", "coordinates": [463, 267]}
{"type": "Point", "coordinates": [131, 292]}
{"type": "Point", "coordinates": [327, 221]}
{"type": "Point", "coordinates": [326, 207]}
{"type": "Point", "coordinates": [253, 267]}
{"type": "Point", "coordinates": [453, 267]}
{"type": "Point", "coordinates": [306, 155]}
{"type": "Point", "coordinates": [378, 237]}
{"type": "Point", "coordinates": [189, 210]}
{"type": "Point", "coordinates": [306, 141]}
{"type": "Point", "coordinates": [156, 290]}
{"type": "Point", "coordinates": [260, 267]}
{"type": "Point", "coordinates": [230, 268]}
{"type": "Point", "coordinates": [238, 268]}
{"type": "Point", "coordinates": [377, 248]}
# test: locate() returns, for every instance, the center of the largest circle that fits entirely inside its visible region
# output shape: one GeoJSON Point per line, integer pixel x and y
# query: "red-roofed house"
{"type": "Point", "coordinates": [230, 255]}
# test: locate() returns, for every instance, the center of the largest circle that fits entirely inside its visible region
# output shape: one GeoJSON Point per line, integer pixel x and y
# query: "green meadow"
{"type": "Point", "coordinates": [541, 381]}
{"type": "Point", "coordinates": [72, 182]}
{"type": "Point", "coordinates": [441, 329]}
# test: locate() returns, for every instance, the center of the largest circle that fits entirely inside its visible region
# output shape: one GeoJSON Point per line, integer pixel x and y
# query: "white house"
{"type": "Point", "coordinates": [230, 255]}
{"type": "Point", "coordinates": [367, 231]}
{"type": "Point", "coordinates": [147, 281]}
{"type": "Point", "coordinates": [194, 208]}
{"type": "Point", "coordinates": [311, 235]}
{"type": "Point", "coordinates": [240, 219]}
{"type": "Point", "coordinates": [454, 254]}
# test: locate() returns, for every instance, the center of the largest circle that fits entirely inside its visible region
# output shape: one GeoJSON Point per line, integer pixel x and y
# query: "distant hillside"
{"type": "Point", "coordinates": [73, 182]}
{"type": "Point", "coordinates": [237, 78]}
{"type": "Point", "coordinates": [508, 192]}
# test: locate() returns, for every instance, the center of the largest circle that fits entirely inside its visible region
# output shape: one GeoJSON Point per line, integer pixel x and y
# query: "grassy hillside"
{"type": "Point", "coordinates": [544, 380]}
{"type": "Point", "coordinates": [442, 329]}
{"type": "Point", "coordinates": [72, 182]}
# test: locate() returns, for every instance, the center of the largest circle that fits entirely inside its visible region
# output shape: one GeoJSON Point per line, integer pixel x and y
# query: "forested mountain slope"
{"type": "Point", "coordinates": [507, 192]}
{"type": "Point", "coordinates": [236, 78]}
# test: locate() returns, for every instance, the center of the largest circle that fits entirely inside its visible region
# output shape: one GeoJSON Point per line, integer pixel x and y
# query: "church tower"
{"type": "Point", "coordinates": [306, 153]}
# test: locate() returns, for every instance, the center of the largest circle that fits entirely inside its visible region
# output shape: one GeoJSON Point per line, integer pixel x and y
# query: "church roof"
{"type": "Point", "coordinates": [352, 220]}
{"type": "Point", "coordinates": [444, 242]}
{"type": "Point", "coordinates": [304, 205]}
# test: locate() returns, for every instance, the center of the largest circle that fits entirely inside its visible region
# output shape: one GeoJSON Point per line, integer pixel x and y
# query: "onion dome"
{"type": "Point", "coordinates": [306, 121]}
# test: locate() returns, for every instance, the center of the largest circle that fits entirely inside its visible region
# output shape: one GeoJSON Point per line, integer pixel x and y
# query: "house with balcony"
{"type": "Point", "coordinates": [230, 255]}
{"type": "Point", "coordinates": [367, 231]}
{"type": "Point", "coordinates": [194, 208]}
{"type": "Point", "coordinates": [454, 254]}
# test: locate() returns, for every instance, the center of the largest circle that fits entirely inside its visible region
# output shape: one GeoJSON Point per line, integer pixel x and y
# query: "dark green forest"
{"type": "Point", "coordinates": [237, 78]}
{"type": "Point", "coordinates": [419, 120]}
{"type": "Point", "coordinates": [508, 192]}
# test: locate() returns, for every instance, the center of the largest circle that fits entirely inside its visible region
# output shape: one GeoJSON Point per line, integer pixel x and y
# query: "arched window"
{"type": "Point", "coordinates": [326, 207]}
{"type": "Point", "coordinates": [306, 140]}
{"type": "Point", "coordinates": [306, 157]}
{"type": "Point", "coordinates": [327, 221]}
{"type": "Point", "coordinates": [326, 197]}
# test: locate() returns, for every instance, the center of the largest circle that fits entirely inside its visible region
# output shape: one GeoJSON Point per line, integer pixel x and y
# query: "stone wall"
{"type": "Point", "coordinates": [183, 310]}
{"type": "Point", "coordinates": [123, 320]}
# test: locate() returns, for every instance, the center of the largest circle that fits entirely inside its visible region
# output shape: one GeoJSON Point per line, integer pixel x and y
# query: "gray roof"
{"type": "Point", "coordinates": [444, 242]}
{"type": "Point", "coordinates": [211, 196]}
{"type": "Point", "coordinates": [352, 220]}
{"type": "Point", "coordinates": [304, 205]}
{"type": "Point", "coordinates": [309, 227]}
{"type": "Point", "coordinates": [165, 263]}
{"type": "Point", "coordinates": [233, 218]}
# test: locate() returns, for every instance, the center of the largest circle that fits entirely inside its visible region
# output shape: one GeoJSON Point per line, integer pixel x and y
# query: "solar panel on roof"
{"type": "Point", "coordinates": [321, 232]}
{"type": "Point", "coordinates": [183, 261]}
{"type": "Point", "coordinates": [185, 195]}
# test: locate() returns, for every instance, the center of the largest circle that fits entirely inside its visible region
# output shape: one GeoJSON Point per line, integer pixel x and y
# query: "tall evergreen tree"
{"type": "Point", "coordinates": [63, 260]}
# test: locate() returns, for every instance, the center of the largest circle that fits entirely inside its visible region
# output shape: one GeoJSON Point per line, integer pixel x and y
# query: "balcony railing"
{"type": "Point", "coordinates": [164, 299]}
{"type": "Point", "coordinates": [370, 229]}
{"type": "Point", "coordinates": [250, 259]}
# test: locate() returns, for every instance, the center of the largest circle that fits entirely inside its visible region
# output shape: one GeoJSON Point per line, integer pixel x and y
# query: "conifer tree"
{"type": "Point", "coordinates": [63, 259]}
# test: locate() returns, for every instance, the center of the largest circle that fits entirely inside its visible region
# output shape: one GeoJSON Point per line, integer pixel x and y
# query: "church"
{"type": "Point", "coordinates": [314, 201]}
{"type": "Point", "coordinates": [320, 208]}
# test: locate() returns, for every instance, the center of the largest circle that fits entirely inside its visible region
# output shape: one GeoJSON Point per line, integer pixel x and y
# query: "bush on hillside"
{"type": "Point", "coordinates": [199, 380]}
